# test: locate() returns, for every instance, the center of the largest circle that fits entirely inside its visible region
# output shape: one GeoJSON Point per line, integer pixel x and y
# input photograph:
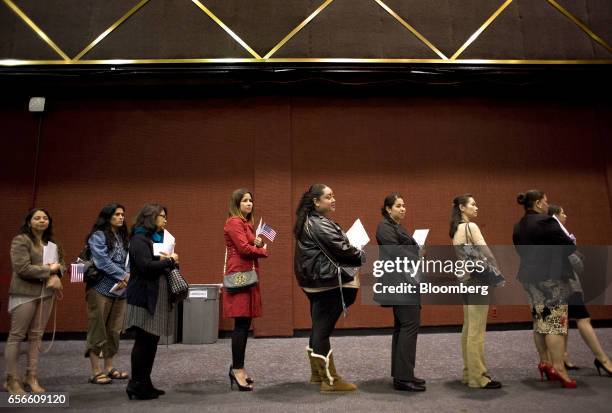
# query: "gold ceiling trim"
{"type": "Point", "coordinates": [118, 62]}
{"type": "Point", "coordinates": [411, 29]}
{"type": "Point", "coordinates": [297, 29]}
{"type": "Point", "coordinates": [110, 29]}
{"type": "Point", "coordinates": [482, 28]}
{"type": "Point", "coordinates": [580, 24]}
{"type": "Point", "coordinates": [36, 29]}
{"type": "Point", "coordinates": [227, 29]}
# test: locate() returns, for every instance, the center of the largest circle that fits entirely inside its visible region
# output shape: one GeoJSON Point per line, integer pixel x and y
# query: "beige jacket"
{"type": "Point", "coordinates": [29, 273]}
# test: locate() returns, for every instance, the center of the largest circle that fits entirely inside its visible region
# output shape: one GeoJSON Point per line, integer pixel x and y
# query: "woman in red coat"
{"type": "Point", "coordinates": [243, 250]}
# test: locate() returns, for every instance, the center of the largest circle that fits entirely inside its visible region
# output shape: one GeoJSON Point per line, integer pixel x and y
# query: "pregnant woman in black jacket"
{"type": "Point", "coordinates": [321, 251]}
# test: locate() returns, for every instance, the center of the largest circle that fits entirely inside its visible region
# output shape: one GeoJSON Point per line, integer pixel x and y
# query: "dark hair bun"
{"type": "Point", "coordinates": [521, 198]}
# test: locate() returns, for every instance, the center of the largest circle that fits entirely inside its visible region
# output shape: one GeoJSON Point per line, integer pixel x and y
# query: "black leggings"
{"type": "Point", "coordinates": [325, 310]}
{"type": "Point", "coordinates": [143, 355]}
{"type": "Point", "coordinates": [239, 341]}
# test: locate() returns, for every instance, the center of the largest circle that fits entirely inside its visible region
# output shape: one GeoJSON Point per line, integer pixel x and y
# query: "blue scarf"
{"type": "Point", "coordinates": [156, 237]}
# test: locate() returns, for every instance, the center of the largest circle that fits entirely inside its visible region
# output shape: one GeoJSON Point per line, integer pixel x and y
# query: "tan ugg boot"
{"type": "Point", "coordinates": [31, 382]}
{"type": "Point", "coordinates": [330, 382]}
{"type": "Point", "coordinates": [13, 385]}
{"type": "Point", "coordinates": [314, 372]}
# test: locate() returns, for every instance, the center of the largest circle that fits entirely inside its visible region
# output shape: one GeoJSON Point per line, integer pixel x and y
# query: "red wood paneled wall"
{"type": "Point", "coordinates": [191, 154]}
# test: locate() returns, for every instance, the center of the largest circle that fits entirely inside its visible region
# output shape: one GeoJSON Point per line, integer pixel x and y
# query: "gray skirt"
{"type": "Point", "coordinates": [158, 324]}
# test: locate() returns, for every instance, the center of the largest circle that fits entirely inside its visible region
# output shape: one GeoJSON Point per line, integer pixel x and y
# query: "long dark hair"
{"type": "Point", "coordinates": [234, 204]}
{"type": "Point", "coordinates": [27, 229]}
{"type": "Point", "coordinates": [529, 198]}
{"type": "Point", "coordinates": [456, 217]}
{"type": "Point", "coordinates": [146, 218]}
{"type": "Point", "coordinates": [103, 223]}
{"type": "Point", "coordinates": [306, 206]}
{"type": "Point", "coordinates": [389, 202]}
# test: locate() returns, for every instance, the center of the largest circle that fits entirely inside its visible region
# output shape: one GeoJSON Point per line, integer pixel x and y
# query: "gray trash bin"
{"type": "Point", "coordinates": [201, 314]}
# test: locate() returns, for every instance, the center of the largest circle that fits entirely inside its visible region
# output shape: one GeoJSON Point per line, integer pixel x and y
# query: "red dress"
{"type": "Point", "coordinates": [241, 253]}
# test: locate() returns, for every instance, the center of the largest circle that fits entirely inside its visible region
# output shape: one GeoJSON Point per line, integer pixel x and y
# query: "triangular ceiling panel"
{"type": "Point", "coordinates": [530, 29]}
{"type": "Point", "coordinates": [332, 34]}
{"type": "Point", "coordinates": [25, 43]}
{"type": "Point", "coordinates": [168, 30]}
{"type": "Point", "coordinates": [264, 23]}
{"type": "Point", "coordinates": [445, 23]}
{"type": "Point", "coordinates": [599, 23]}
{"type": "Point", "coordinates": [73, 24]}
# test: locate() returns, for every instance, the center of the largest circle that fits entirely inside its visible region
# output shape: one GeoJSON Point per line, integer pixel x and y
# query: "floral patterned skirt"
{"type": "Point", "coordinates": [548, 301]}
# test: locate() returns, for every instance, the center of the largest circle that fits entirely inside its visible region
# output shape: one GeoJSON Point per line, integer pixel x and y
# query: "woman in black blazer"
{"type": "Point", "coordinates": [148, 302]}
{"type": "Point", "coordinates": [395, 242]}
{"type": "Point", "coordinates": [545, 272]}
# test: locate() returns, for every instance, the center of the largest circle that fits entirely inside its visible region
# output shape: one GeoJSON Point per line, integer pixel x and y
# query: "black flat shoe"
{"type": "Point", "coordinates": [493, 385]}
{"type": "Point", "coordinates": [402, 385]}
{"type": "Point", "coordinates": [416, 380]}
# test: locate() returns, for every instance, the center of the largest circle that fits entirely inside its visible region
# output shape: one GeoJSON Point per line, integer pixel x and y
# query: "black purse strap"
{"type": "Point", "coordinates": [338, 267]}
{"type": "Point", "coordinates": [467, 237]}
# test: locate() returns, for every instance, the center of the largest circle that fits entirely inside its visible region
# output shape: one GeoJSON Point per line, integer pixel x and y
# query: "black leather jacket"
{"type": "Point", "coordinates": [312, 268]}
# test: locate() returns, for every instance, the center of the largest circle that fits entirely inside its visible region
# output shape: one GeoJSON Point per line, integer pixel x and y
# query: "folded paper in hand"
{"type": "Point", "coordinates": [167, 247]}
{"type": "Point", "coordinates": [117, 290]}
{"type": "Point", "coordinates": [50, 255]}
{"type": "Point", "coordinates": [420, 235]}
{"type": "Point", "coordinates": [357, 235]}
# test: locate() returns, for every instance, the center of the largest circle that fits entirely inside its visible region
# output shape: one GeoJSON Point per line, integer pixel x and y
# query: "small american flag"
{"type": "Point", "coordinates": [76, 272]}
{"type": "Point", "coordinates": [266, 230]}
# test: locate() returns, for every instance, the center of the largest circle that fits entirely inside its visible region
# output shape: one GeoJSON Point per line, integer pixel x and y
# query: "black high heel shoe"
{"type": "Point", "coordinates": [141, 391]}
{"type": "Point", "coordinates": [233, 379]}
{"type": "Point", "coordinates": [154, 389]}
{"type": "Point", "coordinates": [600, 365]}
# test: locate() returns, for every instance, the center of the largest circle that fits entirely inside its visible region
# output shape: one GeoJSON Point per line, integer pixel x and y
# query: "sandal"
{"type": "Point", "coordinates": [117, 375]}
{"type": "Point", "coordinates": [100, 378]}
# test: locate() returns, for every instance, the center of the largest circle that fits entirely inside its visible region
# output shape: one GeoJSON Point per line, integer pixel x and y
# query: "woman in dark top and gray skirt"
{"type": "Point", "coordinates": [148, 301]}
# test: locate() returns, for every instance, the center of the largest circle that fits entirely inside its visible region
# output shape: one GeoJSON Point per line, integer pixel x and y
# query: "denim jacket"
{"type": "Point", "coordinates": [111, 264]}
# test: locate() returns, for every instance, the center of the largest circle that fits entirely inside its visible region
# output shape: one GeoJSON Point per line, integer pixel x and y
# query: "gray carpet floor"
{"type": "Point", "coordinates": [195, 377]}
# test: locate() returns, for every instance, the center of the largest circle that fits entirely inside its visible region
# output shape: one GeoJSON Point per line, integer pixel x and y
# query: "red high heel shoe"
{"type": "Point", "coordinates": [544, 368]}
{"type": "Point", "coordinates": [566, 384]}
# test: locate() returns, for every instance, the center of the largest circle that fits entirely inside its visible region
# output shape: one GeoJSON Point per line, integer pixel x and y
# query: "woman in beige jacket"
{"type": "Point", "coordinates": [33, 286]}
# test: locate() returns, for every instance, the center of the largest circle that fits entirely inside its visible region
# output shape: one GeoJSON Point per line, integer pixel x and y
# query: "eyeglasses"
{"type": "Point", "coordinates": [163, 216]}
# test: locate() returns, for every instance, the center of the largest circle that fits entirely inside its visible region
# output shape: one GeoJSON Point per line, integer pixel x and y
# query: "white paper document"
{"type": "Point", "coordinates": [420, 235]}
{"type": "Point", "coordinates": [50, 255]}
{"type": "Point", "coordinates": [167, 247]}
{"type": "Point", "coordinates": [357, 235]}
{"type": "Point", "coordinates": [116, 290]}
{"type": "Point", "coordinates": [258, 230]}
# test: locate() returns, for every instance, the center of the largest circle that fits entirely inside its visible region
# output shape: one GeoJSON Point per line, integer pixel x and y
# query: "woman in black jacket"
{"type": "Point", "coordinates": [395, 242]}
{"type": "Point", "coordinates": [321, 251]}
{"type": "Point", "coordinates": [544, 272]}
{"type": "Point", "coordinates": [147, 297]}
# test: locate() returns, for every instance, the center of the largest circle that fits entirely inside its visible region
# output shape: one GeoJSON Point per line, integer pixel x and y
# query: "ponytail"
{"type": "Point", "coordinates": [305, 207]}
